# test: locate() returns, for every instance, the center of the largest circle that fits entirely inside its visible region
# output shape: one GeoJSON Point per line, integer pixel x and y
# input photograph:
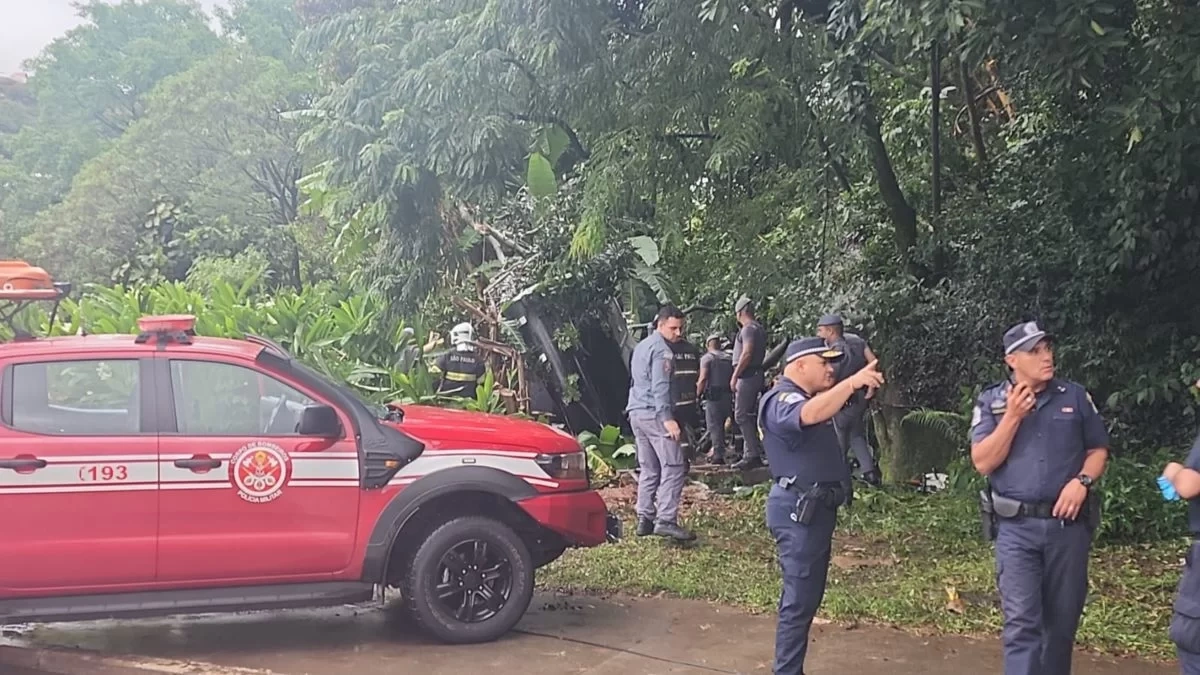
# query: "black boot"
{"type": "Point", "coordinates": [747, 463]}
{"type": "Point", "coordinates": [645, 527]}
{"type": "Point", "coordinates": [674, 531]}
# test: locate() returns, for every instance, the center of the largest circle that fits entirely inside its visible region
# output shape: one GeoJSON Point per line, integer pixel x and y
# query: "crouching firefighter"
{"type": "Point", "coordinates": [1042, 445]}
{"type": "Point", "coordinates": [811, 479]}
{"type": "Point", "coordinates": [461, 368]}
{"type": "Point", "coordinates": [1183, 481]}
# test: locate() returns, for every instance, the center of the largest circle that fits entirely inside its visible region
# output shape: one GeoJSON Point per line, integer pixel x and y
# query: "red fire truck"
{"type": "Point", "coordinates": [167, 473]}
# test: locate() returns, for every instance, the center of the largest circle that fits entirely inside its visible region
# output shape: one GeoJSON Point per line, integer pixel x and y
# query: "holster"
{"type": "Point", "coordinates": [987, 514]}
{"type": "Point", "coordinates": [818, 496]}
{"type": "Point", "coordinates": [806, 509]}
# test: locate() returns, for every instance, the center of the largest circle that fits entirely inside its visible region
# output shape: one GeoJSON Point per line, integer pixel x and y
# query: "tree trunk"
{"type": "Point", "coordinates": [935, 128]}
{"type": "Point", "coordinates": [968, 90]}
{"type": "Point", "coordinates": [904, 217]}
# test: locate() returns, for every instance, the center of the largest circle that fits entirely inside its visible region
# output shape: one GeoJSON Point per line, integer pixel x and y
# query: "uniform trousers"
{"type": "Point", "coordinates": [662, 469]}
{"type": "Point", "coordinates": [804, 554]}
{"type": "Point", "coordinates": [1041, 570]}
{"type": "Point", "coordinates": [745, 413]}
{"type": "Point", "coordinates": [1185, 620]}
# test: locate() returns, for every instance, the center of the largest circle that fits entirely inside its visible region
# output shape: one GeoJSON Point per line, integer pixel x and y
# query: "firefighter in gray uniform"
{"type": "Point", "coordinates": [1183, 481]}
{"type": "Point", "coordinates": [1042, 445]}
{"type": "Point", "coordinates": [810, 481]}
{"type": "Point", "coordinates": [716, 369]}
{"type": "Point", "coordinates": [850, 422]}
{"type": "Point", "coordinates": [662, 468]}
{"type": "Point", "coordinates": [749, 349]}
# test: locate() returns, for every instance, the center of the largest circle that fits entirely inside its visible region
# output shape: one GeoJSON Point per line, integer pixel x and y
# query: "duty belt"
{"type": "Point", "coordinates": [1012, 508]}
{"type": "Point", "coordinates": [832, 493]}
{"type": "Point", "coordinates": [1037, 510]}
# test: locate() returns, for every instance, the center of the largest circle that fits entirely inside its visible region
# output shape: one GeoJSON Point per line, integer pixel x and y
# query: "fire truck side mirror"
{"type": "Point", "coordinates": [319, 420]}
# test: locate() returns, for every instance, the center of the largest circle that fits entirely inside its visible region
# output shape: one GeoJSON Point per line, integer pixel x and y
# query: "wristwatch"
{"type": "Point", "coordinates": [1085, 480]}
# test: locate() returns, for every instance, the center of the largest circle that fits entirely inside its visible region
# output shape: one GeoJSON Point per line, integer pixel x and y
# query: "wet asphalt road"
{"type": "Point", "coordinates": [560, 634]}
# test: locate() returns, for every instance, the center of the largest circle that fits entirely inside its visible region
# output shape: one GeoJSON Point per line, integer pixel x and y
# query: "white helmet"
{"type": "Point", "coordinates": [462, 336]}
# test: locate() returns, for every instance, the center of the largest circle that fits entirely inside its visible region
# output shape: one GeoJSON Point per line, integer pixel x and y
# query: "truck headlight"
{"type": "Point", "coordinates": [567, 466]}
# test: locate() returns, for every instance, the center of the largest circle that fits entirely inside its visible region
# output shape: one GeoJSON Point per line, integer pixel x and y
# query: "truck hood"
{"type": "Point", "coordinates": [448, 429]}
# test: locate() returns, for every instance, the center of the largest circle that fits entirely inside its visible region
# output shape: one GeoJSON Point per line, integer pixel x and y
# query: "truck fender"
{"type": "Point", "coordinates": [404, 505]}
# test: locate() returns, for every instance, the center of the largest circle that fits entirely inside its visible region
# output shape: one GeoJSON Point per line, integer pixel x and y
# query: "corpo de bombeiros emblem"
{"type": "Point", "coordinates": [259, 471]}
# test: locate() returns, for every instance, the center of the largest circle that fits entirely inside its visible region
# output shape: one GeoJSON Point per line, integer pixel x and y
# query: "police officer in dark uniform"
{"type": "Point", "coordinates": [683, 393]}
{"type": "Point", "coordinates": [850, 422]}
{"type": "Point", "coordinates": [811, 480]}
{"type": "Point", "coordinates": [749, 349]}
{"type": "Point", "coordinates": [1183, 481]}
{"type": "Point", "coordinates": [461, 368]}
{"type": "Point", "coordinates": [1042, 445]}
{"type": "Point", "coordinates": [716, 369]}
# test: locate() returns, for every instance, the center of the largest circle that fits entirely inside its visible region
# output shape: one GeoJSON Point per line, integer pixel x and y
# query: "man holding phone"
{"type": "Point", "coordinates": [1042, 444]}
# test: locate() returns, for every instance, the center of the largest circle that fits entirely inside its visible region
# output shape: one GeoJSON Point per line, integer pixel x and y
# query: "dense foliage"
{"type": "Point", "coordinates": [590, 158]}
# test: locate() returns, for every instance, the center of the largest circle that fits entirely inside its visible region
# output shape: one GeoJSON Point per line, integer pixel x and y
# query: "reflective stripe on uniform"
{"type": "Point", "coordinates": [461, 377]}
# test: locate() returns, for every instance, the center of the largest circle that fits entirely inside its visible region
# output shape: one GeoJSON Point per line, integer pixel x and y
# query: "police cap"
{"type": "Point", "coordinates": [811, 346]}
{"type": "Point", "coordinates": [830, 320]}
{"type": "Point", "coordinates": [742, 303]}
{"type": "Point", "coordinates": [1023, 337]}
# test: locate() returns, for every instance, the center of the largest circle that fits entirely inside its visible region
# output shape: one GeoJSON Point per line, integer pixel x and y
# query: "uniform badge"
{"type": "Point", "coordinates": [1068, 410]}
{"type": "Point", "coordinates": [259, 471]}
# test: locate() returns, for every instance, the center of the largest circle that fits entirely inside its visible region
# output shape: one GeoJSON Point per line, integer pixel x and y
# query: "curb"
{"type": "Point", "coordinates": [79, 662]}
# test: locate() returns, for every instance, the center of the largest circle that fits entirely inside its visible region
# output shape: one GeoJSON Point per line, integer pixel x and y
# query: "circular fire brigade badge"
{"type": "Point", "coordinates": [259, 471]}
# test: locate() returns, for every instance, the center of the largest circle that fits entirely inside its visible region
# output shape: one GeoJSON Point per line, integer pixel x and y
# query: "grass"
{"type": "Point", "coordinates": [913, 561]}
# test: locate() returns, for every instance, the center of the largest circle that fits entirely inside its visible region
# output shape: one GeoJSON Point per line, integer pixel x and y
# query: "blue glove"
{"type": "Point", "coordinates": [1168, 490]}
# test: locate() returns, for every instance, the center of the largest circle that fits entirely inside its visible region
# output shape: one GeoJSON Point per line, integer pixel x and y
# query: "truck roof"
{"type": "Point", "coordinates": [120, 343]}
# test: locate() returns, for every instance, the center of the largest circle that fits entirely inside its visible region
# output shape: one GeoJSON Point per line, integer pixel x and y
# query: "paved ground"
{"type": "Point", "coordinates": [559, 635]}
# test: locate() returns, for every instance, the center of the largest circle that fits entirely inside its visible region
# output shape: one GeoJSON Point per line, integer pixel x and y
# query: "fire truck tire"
{"type": "Point", "coordinates": [470, 581]}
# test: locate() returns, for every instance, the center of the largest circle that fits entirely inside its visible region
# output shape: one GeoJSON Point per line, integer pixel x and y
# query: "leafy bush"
{"type": "Point", "coordinates": [1134, 510]}
{"type": "Point", "coordinates": [607, 453]}
{"type": "Point", "coordinates": [348, 337]}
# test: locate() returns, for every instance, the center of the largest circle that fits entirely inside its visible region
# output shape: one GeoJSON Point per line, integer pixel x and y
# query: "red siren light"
{"type": "Point", "coordinates": [171, 323]}
{"type": "Point", "coordinates": [177, 328]}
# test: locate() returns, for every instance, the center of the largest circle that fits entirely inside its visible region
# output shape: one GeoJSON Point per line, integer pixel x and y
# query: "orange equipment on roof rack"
{"type": "Point", "coordinates": [21, 284]}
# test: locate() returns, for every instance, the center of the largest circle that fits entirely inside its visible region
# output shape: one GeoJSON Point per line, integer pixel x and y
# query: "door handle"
{"type": "Point", "coordinates": [198, 463]}
{"type": "Point", "coordinates": [22, 464]}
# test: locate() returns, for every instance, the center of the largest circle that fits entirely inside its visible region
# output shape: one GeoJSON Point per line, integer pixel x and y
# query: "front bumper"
{"type": "Point", "coordinates": [580, 518]}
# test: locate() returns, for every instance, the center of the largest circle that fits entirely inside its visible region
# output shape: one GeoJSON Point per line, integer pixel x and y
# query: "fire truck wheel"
{"type": "Point", "coordinates": [470, 581]}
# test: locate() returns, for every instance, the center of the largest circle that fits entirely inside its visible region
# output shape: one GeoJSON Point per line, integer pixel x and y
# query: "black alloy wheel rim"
{"type": "Point", "coordinates": [474, 581]}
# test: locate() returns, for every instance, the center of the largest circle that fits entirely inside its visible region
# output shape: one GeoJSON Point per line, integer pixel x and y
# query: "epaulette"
{"type": "Point", "coordinates": [998, 404]}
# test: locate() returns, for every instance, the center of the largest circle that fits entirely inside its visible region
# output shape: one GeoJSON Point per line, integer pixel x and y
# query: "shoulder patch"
{"type": "Point", "coordinates": [792, 397]}
{"type": "Point", "coordinates": [976, 416]}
